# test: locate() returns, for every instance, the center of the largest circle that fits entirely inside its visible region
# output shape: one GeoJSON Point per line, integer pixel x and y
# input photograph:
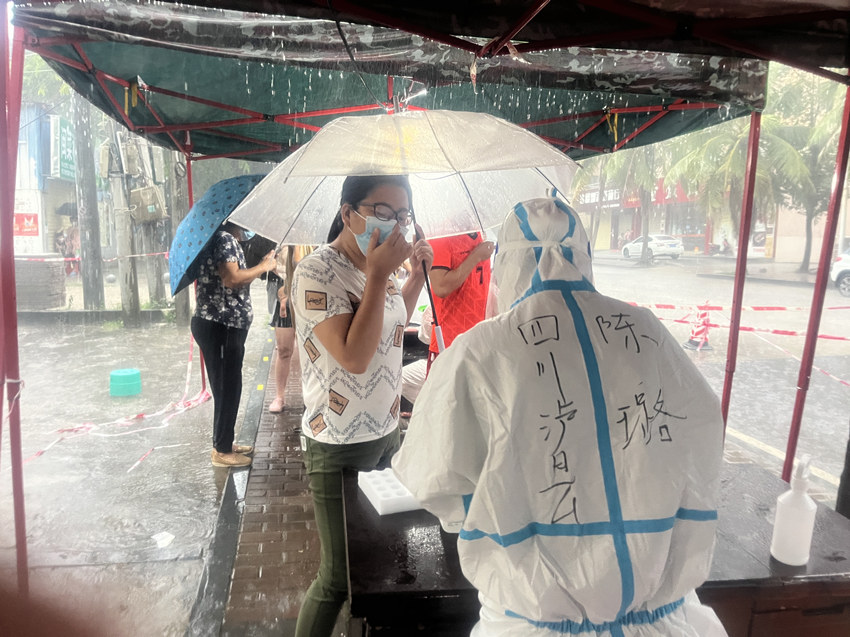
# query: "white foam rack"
{"type": "Point", "coordinates": [385, 492]}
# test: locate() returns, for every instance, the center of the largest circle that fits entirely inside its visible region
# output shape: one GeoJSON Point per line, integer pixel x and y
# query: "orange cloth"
{"type": "Point", "coordinates": [466, 306]}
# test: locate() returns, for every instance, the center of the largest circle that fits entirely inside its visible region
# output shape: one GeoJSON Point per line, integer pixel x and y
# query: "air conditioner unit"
{"type": "Point", "coordinates": [147, 204]}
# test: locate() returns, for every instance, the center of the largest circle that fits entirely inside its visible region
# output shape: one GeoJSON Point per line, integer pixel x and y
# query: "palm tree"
{"type": "Point", "coordinates": [631, 171]}
{"type": "Point", "coordinates": [813, 107]}
{"type": "Point", "coordinates": [637, 171]}
{"type": "Point", "coordinates": [712, 163]}
{"type": "Point", "coordinates": [592, 173]}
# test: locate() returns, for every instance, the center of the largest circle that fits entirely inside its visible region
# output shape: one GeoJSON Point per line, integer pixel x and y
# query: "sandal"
{"type": "Point", "coordinates": [277, 406]}
{"type": "Point", "coordinates": [229, 459]}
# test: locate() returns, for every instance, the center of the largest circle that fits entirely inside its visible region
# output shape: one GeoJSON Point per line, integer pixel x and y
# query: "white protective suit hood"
{"type": "Point", "coordinates": [540, 239]}
{"type": "Point", "coordinates": [576, 449]}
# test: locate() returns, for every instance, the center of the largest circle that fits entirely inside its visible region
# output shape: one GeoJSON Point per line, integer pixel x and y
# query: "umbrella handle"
{"type": "Point", "coordinates": [438, 331]}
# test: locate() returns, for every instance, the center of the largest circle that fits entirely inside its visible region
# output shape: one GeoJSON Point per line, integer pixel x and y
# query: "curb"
{"type": "Point", "coordinates": [89, 317]}
{"type": "Point", "coordinates": [207, 615]}
{"type": "Point", "coordinates": [760, 279]}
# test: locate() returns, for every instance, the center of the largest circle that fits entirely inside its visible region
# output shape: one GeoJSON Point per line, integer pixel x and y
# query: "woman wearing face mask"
{"type": "Point", "coordinates": [350, 319]}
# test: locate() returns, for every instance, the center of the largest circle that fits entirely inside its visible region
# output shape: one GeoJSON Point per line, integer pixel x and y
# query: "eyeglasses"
{"type": "Point", "coordinates": [385, 212]}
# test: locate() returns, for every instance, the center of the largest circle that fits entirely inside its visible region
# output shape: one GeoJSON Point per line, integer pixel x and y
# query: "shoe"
{"type": "Point", "coordinates": [276, 406]}
{"type": "Point", "coordinates": [243, 449]}
{"type": "Point", "coordinates": [229, 459]}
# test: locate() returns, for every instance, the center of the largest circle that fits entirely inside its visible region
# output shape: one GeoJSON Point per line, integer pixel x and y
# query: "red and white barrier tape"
{"type": "Point", "coordinates": [721, 308]}
{"type": "Point", "coordinates": [798, 359]}
{"type": "Point", "coordinates": [744, 328]}
{"type": "Point", "coordinates": [75, 259]}
{"type": "Point", "coordinates": [136, 256]}
{"type": "Point", "coordinates": [151, 450]}
{"type": "Point", "coordinates": [169, 411]}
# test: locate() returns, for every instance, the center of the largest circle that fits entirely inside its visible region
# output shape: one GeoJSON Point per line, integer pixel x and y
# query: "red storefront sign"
{"type": "Point", "coordinates": [26, 224]}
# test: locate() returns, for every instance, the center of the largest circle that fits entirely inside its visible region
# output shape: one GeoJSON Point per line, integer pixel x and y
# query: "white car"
{"type": "Point", "coordinates": [660, 245]}
{"type": "Point", "coordinates": [840, 272]}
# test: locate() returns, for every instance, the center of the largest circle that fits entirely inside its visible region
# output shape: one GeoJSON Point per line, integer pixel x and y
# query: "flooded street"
{"type": "Point", "coordinates": [121, 498]}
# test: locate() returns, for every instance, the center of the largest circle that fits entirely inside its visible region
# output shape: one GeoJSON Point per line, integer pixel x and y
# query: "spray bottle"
{"type": "Point", "coordinates": [795, 519]}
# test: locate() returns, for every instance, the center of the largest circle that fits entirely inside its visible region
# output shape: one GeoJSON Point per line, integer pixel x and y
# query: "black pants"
{"type": "Point", "coordinates": [223, 348]}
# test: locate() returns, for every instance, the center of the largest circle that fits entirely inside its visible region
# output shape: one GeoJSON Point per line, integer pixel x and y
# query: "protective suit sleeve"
{"type": "Point", "coordinates": [445, 446]}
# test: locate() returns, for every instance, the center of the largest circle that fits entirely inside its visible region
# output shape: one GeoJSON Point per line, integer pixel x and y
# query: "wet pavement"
{"type": "Point", "coordinates": [130, 527]}
{"type": "Point", "coordinates": [121, 499]}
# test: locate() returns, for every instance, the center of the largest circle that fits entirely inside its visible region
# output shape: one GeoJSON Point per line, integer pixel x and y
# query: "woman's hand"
{"type": "Point", "coordinates": [421, 259]}
{"type": "Point", "coordinates": [269, 262]}
{"type": "Point", "coordinates": [422, 253]}
{"type": "Point", "coordinates": [282, 298]}
{"type": "Point", "coordinates": [384, 259]}
{"type": "Point", "coordinates": [483, 251]}
{"type": "Point", "coordinates": [233, 276]}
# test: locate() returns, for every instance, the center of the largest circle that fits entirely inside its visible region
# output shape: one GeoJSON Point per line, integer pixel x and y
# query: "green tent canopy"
{"type": "Point", "coordinates": [215, 82]}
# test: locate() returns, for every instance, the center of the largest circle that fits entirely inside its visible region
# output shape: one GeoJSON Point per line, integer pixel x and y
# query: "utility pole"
{"type": "Point", "coordinates": [127, 280]}
{"type": "Point", "coordinates": [151, 245]}
{"type": "Point", "coordinates": [179, 208]}
{"type": "Point", "coordinates": [91, 261]}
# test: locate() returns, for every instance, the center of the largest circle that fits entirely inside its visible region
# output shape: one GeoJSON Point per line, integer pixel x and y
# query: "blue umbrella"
{"type": "Point", "coordinates": [198, 227]}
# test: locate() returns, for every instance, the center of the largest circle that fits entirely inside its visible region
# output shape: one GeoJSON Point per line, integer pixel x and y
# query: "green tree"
{"type": "Point", "coordinates": [812, 108]}
{"type": "Point", "coordinates": [712, 164]}
{"type": "Point", "coordinates": [42, 85]}
{"type": "Point", "coordinates": [637, 170]}
{"type": "Point", "coordinates": [592, 175]}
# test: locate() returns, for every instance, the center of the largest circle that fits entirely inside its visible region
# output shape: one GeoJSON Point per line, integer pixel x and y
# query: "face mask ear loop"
{"type": "Point", "coordinates": [438, 331]}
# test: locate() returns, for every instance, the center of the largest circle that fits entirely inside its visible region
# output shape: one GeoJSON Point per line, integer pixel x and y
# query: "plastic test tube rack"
{"type": "Point", "coordinates": [385, 492]}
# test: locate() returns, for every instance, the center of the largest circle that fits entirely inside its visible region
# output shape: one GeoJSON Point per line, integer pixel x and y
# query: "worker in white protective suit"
{"type": "Point", "coordinates": [575, 448]}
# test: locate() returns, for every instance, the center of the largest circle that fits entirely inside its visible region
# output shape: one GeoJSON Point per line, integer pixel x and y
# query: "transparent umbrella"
{"type": "Point", "coordinates": [466, 170]}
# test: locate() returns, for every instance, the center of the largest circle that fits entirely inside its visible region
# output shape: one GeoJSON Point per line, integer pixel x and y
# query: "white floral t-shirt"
{"type": "Point", "coordinates": [341, 407]}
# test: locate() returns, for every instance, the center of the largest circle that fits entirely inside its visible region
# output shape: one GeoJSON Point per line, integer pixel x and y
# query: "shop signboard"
{"type": "Point", "coordinates": [26, 224]}
{"type": "Point", "coordinates": [67, 165]}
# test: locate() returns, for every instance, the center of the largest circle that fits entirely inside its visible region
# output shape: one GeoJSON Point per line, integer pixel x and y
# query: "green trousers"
{"type": "Point", "coordinates": [325, 464]}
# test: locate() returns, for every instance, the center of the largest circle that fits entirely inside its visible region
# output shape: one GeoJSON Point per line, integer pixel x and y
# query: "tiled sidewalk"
{"type": "Point", "coordinates": [278, 550]}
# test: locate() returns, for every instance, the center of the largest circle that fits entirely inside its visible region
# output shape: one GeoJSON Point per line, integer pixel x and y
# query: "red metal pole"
{"type": "Point", "coordinates": [190, 187]}
{"type": "Point", "coordinates": [11, 365]}
{"type": "Point", "coordinates": [741, 264]}
{"type": "Point", "coordinates": [820, 288]}
{"type": "Point", "coordinates": [642, 128]}
{"type": "Point", "coordinates": [5, 153]}
{"type": "Point", "coordinates": [495, 46]}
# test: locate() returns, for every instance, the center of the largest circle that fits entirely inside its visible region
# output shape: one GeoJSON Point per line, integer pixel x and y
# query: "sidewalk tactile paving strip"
{"type": "Point", "coordinates": [278, 552]}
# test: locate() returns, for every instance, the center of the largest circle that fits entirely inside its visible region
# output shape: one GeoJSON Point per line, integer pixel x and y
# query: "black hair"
{"type": "Point", "coordinates": [336, 226]}
{"type": "Point", "coordinates": [357, 187]}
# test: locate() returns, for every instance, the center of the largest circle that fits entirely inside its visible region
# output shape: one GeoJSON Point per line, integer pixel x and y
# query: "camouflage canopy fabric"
{"type": "Point", "coordinates": [804, 33]}
{"type": "Point", "coordinates": [217, 82]}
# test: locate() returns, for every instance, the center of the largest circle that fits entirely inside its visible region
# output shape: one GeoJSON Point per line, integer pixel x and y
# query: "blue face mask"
{"type": "Point", "coordinates": [386, 227]}
{"type": "Point", "coordinates": [247, 235]}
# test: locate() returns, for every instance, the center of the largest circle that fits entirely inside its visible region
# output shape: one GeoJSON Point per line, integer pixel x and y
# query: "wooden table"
{"type": "Point", "coordinates": [404, 576]}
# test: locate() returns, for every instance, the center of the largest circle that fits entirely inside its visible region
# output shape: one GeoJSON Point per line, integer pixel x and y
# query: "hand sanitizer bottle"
{"type": "Point", "coordinates": [795, 520]}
